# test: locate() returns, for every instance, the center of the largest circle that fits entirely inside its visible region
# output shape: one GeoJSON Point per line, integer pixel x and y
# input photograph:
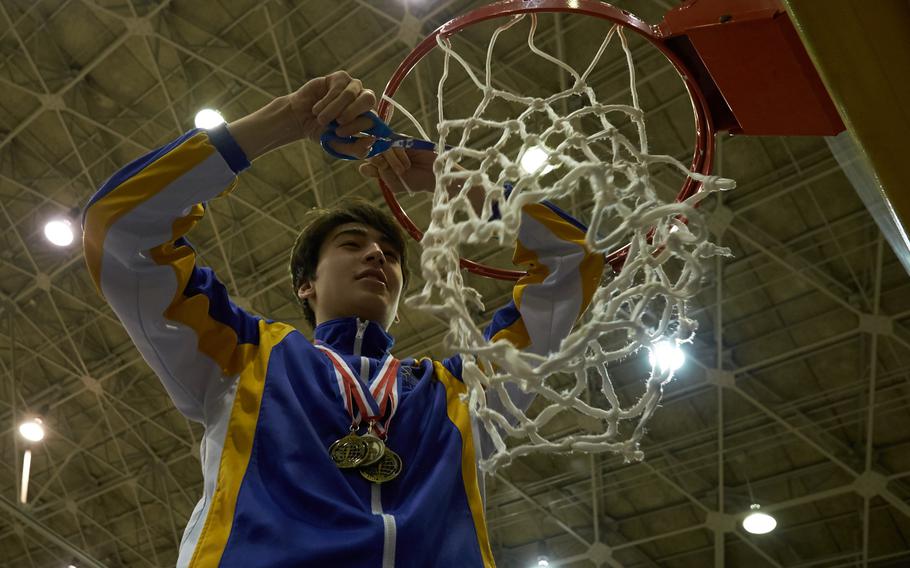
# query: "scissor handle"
{"type": "Point", "coordinates": [379, 129]}
{"type": "Point", "coordinates": [385, 139]}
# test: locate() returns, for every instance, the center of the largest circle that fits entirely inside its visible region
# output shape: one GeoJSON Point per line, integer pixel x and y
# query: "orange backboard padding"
{"type": "Point", "coordinates": [756, 61]}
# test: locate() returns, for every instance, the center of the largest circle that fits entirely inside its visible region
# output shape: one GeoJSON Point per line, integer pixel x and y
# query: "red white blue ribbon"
{"type": "Point", "coordinates": [372, 404]}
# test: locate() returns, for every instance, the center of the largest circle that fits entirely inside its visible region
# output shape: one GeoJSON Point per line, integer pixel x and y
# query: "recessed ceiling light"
{"type": "Point", "coordinates": [759, 523]}
{"type": "Point", "coordinates": [208, 118]}
{"type": "Point", "coordinates": [32, 430]}
{"type": "Point", "coordinates": [667, 356]}
{"type": "Point", "coordinates": [533, 159]}
{"type": "Point", "coordinates": [59, 232]}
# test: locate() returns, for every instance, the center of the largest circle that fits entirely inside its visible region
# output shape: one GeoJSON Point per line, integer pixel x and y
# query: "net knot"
{"type": "Point", "coordinates": [576, 140]}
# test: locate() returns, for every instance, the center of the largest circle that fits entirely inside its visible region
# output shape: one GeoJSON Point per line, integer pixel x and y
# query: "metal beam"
{"type": "Point", "coordinates": [26, 519]}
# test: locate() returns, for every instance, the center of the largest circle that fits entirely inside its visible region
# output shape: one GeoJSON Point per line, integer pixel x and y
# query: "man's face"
{"type": "Point", "coordinates": [358, 274]}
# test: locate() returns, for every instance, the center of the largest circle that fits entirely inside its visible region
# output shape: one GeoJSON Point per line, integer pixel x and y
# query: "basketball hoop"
{"type": "Point", "coordinates": [703, 156]}
{"type": "Point", "coordinates": [657, 244]}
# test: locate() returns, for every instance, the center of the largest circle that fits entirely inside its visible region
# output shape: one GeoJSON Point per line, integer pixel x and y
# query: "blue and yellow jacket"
{"type": "Point", "coordinates": [268, 398]}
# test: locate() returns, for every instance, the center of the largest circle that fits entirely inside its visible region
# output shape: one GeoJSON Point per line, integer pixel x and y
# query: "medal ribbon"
{"type": "Point", "coordinates": [362, 404]}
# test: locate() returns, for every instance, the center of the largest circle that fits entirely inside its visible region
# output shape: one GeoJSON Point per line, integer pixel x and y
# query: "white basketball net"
{"type": "Point", "coordinates": [646, 302]}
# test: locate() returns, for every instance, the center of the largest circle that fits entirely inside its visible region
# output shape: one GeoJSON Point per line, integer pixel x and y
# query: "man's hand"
{"type": "Point", "coordinates": [335, 97]}
{"type": "Point", "coordinates": [306, 113]}
{"type": "Point", "coordinates": [412, 171]}
{"type": "Point", "coordinates": [403, 170]}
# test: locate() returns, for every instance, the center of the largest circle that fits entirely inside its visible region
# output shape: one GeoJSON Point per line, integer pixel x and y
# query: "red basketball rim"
{"type": "Point", "coordinates": [702, 160]}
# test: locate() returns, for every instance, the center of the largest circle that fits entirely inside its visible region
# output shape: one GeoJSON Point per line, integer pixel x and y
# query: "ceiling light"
{"type": "Point", "coordinates": [26, 468]}
{"type": "Point", "coordinates": [542, 562]}
{"type": "Point", "coordinates": [667, 356]}
{"type": "Point", "coordinates": [32, 430]}
{"type": "Point", "coordinates": [59, 232]}
{"type": "Point", "coordinates": [533, 159]}
{"type": "Point", "coordinates": [758, 523]}
{"type": "Point", "coordinates": [208, 118]}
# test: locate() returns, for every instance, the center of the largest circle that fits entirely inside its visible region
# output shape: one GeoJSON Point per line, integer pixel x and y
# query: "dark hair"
{"type": "Point", "coordinates": [317, 226]}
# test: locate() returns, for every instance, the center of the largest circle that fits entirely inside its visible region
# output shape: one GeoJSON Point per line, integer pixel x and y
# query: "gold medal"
{"type": "Point", "coordinates": [375, 450]}
{"type": "Point", "coordinates": [386, 469]}
{"type": "Point", "coordinates": [367, 453]}
{"type": "Point", "coordinates": [349, 451]}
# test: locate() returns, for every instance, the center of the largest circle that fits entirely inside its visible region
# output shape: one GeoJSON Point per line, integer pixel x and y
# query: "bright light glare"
{"type": "Point", "coordinates": [59, 232]}
{"type": "Point", "coordinates": [759, 523]}
{"type": "Point", "coordinates": [533, 159]}
{"type": "Point", "coordinates": [208, 118]}
{"type": "Point", "coordinates": [667, 356]}
{"type": "Point", "coordinates": [32, 430]}
{"type": "Point", "coordinates": [26, 468]}
{"type": "Point", "coordinates": [542, 562]}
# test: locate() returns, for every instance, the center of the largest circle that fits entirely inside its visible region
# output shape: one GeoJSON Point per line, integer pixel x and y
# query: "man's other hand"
{"type": "Point", "coordinates": [403, 170]}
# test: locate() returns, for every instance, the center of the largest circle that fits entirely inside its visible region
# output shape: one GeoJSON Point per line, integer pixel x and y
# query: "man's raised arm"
{"type": "Point", "coordinates": [177, 313]}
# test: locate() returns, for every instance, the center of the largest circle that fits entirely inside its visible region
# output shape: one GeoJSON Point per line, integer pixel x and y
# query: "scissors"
{"type": "Point", "coordinates": [385, 138]}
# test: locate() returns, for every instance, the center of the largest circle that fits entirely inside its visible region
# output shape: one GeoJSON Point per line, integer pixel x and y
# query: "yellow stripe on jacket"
{"type": "Point", "coordinates": [217, 340]}
{"type": "Point", "coordinates": [459, 415]}
{"type": "Point", "coordinates": [590, 269]}
{"type": "Point", "coordinates": [135, 191]}
{"type": "Point", "coordinates": [238, 446]}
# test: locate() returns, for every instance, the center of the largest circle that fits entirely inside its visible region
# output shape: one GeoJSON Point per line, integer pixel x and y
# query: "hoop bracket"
{"type": "Point", "coordinates": [752, 67]}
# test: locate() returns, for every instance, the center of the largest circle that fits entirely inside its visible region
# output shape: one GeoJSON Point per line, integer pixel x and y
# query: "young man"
{"type": "Point", "coordinates": [283, 421]}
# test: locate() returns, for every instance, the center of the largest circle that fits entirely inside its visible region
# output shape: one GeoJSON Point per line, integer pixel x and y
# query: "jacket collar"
{"type": "Point", "coordinates": [353, 336]}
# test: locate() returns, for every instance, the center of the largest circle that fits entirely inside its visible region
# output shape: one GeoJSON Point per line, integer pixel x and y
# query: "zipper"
{"type": "Point", "coordinates": [389, 528]}
{"type": "Point", "coordinates": [358, 338]}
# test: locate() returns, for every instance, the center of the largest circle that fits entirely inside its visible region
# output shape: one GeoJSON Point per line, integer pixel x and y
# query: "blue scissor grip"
{"type": "Point", "coordinates": [385, 138]}
{"type": "Point", "coordinates": [379, 129]}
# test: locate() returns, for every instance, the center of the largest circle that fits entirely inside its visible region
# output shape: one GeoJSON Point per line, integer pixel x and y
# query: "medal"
{"type": "Point", "coordinates": [375, 448]}
{"type": "Point", "coordinates": [350, 451]}
{"type": "Point", "coordinates": [386, 469]}
{"type": "Point", "coordinates": [368, 453]}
